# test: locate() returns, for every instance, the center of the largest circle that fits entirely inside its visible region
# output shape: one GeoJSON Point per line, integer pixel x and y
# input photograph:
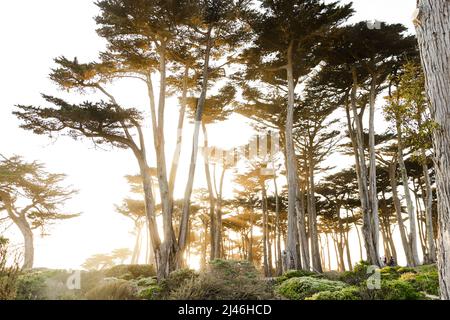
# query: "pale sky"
{"type": "Point", "coordinates": [35, 32]}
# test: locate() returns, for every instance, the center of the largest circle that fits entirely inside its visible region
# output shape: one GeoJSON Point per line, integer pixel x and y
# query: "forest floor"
{"type": "Point", "coordinates": [228, 280]}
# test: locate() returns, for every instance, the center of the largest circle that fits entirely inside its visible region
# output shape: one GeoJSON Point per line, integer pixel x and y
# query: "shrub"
{"type": "Point", "coordinates": [132, 271]}
{"type": "Point", "coordinates": [426, 281]}
{"type": "Point", "coordinates": [152, 292]}
{"type": "Point", "coordinates": [301, 288]}
{"type": "Point", "coordinates": [357, 276]}
{"type": "Point", "coordinates": [8, 274]}
{"type": "Point", "coordinates": [392, 290]}
{"type": "Point", "coordinates": [348, 293]}
{"type": "Point", "coordinates": [31, 286]}
{"type": "Point", "coordinates": [295, 274]}
{"type": "Point", "coordinates": [113, 289]}
{"type": "Point", "coordinates": [146, 282]}
{"type": "Point", "coordinates": [176, 279]}
{"type": "Point", "coordinates": [224, 280]}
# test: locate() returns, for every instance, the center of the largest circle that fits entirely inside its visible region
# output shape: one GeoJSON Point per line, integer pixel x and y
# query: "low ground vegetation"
{"type": "Point", "coordinates": [224, 280]}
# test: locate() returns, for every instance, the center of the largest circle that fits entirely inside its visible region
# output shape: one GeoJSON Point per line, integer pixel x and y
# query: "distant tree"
{"type": "Point", "coordinates": [121, 255]}
{"type": "Point", "coordinates": [32, 199]}
{"type": "Point", "coordinates": [99, 262]}
{"type": "Point", "coordinates": [134, 210]}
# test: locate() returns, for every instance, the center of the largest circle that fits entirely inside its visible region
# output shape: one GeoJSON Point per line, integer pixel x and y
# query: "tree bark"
{"type": "Point", "coordinates": [293, 261]}
{"type": "Point", "coordinates": [315, 254]}
{"type": "Point", "coordinates": [428, 210]}
{"type": "Point", "coordinates": [433, 25]}
{"type": "Point", "coordinates": [398, 211]}
{"type": "Point", "coordinates": [411, 210]}
{"type": "Point", "coordinates": [367, 228]}
{"type": "Point", "coordinates": [183, 234]}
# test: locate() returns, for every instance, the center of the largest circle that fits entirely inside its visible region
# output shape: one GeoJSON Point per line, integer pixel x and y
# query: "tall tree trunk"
{"type": "Point", "coordinates": [433, 25]}
{"type": "Point", "coordinates": [367, 228]}
{"type": "Point", "coordinates": [218, 230]}
{"type": "Point", "coordinates": [301, 226]}
{"type": "Point", "coordinates": [264, 229]}
{"type": "Point", "coordinates": [184, 223]}
{"type": "Point", "coordinates": [315, 254]}
{"type": "Point", "coordinates": [212, 198]}
{"type": "Point", "coordinates": [373, 193]}
{"type": "Point", "coordinates": [410, 206]}
{"type": "Point", "coordinates": [293, 259]}
{"type": "Point", "coordinates": [279, 262]}
{"type": "Point", "coordinates": [177, 152]}
{"type": "Point", "coordinates": [398, 211]}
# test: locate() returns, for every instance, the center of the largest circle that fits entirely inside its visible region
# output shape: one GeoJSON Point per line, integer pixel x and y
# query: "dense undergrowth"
{"type": "Point", "coordinates": [227, 280]}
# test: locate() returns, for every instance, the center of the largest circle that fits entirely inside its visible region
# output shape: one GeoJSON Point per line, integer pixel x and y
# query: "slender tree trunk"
{"type": "Point", "coordinates": [218, 230]}
{"type": "Point", "coordinates": [264, 230]}
{"type": "Point", "coordinates": [177, 152]}
{"type": "Point", "coordinates": [398, 211]}
{"type": "Point", "coordinates": [279, 262]}
{"type": "Point", "coordinates": [301, 226]}
{"type": "Point", "coordinates": [317, 267]}
{"type": "Point", "coordinates": [367, 228]}
{"type": "Point", "coordinates": [182, 239]}
{"type": "Point", "coordinates": [410, 206]}
{"type": "Point", "coordinates": [293, 259]}
{"type": "Point", "coordinates": [212, 198]}
{"type": "Point", "coordinates": [328, 252]}
{"type": "Point", "coordinates": [373, 193]}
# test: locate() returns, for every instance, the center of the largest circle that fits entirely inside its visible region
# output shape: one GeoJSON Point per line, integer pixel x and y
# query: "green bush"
{"type": "Point", "coordinates": [131, 271]}
{"type": "Point", "coordinates": [357, 276]}
{"type": "Point", "coordinates": [392, 290]}
{"type": "Point", "coordinates": [348, 293]}
{"type": "Point", "coordinates": [427, 281]}
{"type": "Point", "coordinates": [113, 289]}
{"type": "Point", "coordinates": [9, 273]}
{"type": "Point", "coordinates": [152, 292]}
{"type": "Point", "coordinates": [31, 286]}
{"type": "Point", "coordinates": [224, 280]}
{"type": "Point", "coordinates": [176, 279]}
{"type": "Point", "coordinates": [146, 282]}
{"type": "Point", "coordinates": [301, 288]}
{"type": "Point", "coordinates": [295, 274]}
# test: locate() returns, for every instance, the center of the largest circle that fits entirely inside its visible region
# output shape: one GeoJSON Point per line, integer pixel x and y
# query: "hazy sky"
{"type": "Point", "coordinates": [35, 32]}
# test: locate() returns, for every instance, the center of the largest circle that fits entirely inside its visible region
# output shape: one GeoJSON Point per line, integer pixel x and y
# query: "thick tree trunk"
{"type": "Point", "coordinates": [433, 25]}
{"type": "Point", "coordinates": [28, 240]}
{"type": "Point", "coordinates": [293, 261]}
{"type": "Point", "coordinates": [428, 210]}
